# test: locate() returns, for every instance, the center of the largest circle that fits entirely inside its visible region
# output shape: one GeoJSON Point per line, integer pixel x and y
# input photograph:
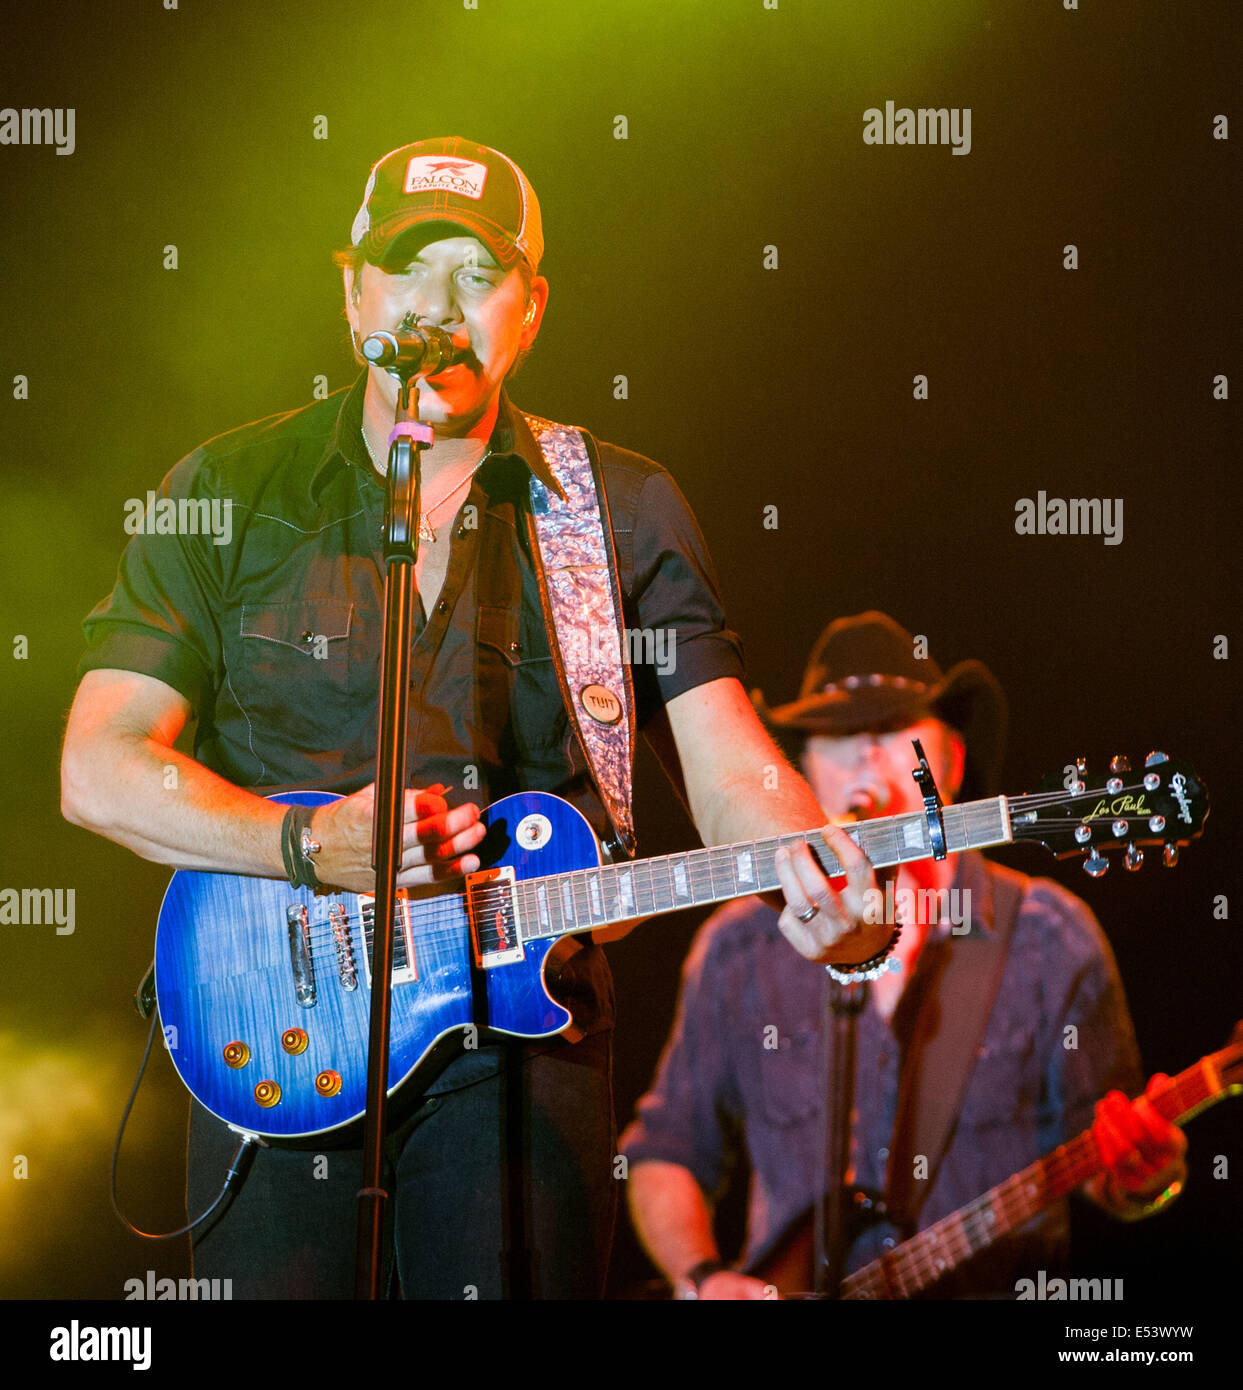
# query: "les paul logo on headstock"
{"type": "Point", "coordinates": [1120, 806]}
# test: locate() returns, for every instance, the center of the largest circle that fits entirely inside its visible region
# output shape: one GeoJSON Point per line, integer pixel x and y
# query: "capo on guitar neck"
{"type": "Point", "coordinates": [932, 802]}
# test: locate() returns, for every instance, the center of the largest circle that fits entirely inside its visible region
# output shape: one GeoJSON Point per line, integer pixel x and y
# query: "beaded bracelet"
{"type": "Point", "coordinates": [1136, 1209]}
{"type": "Point", "coordinates": [872, 968]}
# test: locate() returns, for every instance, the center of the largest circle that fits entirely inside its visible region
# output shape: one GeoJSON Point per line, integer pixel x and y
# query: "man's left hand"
{"type": "Point", "coordinates": [839, 932]}
{"type": "Point", "coordinates": [1143, 1153]}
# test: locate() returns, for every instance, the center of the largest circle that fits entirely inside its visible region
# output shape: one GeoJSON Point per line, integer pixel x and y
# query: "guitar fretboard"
{"type": "Point", "coordinates": [583, 899]}
{"type": "Point", "coordinates": [921, 1261]}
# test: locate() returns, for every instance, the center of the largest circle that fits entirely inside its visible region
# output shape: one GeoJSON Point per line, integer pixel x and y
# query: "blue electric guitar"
{"type": "Point", "coordinates": [264, 990]}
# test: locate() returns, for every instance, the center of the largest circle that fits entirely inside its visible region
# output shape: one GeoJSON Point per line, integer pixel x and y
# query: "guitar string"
{"type": "Point", "coordinates": [490, 899]}
{"type": "Point", "coordinates": [701, 876]}
{"type": "Point", "coordinates": [1009, 1201]}
{"type": "Point", "coordinates": [1070, 1165]}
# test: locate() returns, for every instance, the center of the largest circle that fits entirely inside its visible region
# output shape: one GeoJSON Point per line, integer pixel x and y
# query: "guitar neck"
{"type": "Point", "coordinates": [925, 1258]}
{"type": "Point", "coordinates": [584, 899]}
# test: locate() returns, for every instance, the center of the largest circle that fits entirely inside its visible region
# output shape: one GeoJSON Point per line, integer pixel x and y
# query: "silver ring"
{"type": "Point", "coordinates": [808, 915]}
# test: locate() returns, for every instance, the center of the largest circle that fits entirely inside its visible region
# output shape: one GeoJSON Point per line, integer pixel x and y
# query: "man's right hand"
{"type": "Point", "coordinates": [727, 1284]}
{"type": "Point", "coordinates": [435, 840]}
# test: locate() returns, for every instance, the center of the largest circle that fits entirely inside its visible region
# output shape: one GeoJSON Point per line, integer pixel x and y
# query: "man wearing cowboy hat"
{"type": "Point", "coordinates": [747, 1062]}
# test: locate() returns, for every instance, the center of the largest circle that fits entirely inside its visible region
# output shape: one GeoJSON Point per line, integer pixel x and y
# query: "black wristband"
{"type": "Point", "coordinates": [703, 1271]}
{"type": "Point", "coordinates": [299, 868]}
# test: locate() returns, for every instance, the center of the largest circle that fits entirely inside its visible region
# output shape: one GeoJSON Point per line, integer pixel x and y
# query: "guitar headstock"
{"type": "Point", "coordinates": [1164, 803]}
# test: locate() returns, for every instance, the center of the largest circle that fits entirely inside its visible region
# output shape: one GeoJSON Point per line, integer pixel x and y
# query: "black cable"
{"type": "Point", "coordinates": [242, 1158]}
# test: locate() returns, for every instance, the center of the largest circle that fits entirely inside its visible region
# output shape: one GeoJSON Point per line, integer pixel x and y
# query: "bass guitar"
{"type": "Point", "coordinates": [264, 990]}
{"type": "Point", "coordinates": [916, 1265]}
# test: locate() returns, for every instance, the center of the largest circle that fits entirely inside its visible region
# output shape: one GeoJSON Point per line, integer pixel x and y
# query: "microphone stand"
{"type": "Point", "coordinates": [842, 1006]}
{"type": "Point", "coordinates": [401, 546]}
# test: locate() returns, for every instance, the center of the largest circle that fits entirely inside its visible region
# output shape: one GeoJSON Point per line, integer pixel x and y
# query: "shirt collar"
{"type": "Point", "coordinates": [511, 437]}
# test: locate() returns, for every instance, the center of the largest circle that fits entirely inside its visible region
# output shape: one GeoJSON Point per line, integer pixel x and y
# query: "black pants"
{"type": "Point", "coordinates": [502, 1188]}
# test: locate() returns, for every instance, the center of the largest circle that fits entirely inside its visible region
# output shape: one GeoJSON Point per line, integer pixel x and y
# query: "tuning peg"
{"type": "Point", "coordinates": [1154, 758]}
{"type": "Point", "coordinates": [1133, 857]}
{"type": "Point", "coordinates": [1095, 864]}
{"type": "Point", "coordinates": [1170, 855]}
{"type": "Point", "coordinates": [1119, 764]}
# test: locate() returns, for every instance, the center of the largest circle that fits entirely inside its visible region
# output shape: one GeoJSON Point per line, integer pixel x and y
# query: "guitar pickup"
{"type": "Point", "coordinates": [491, 904]}
{"type": "Point", "coordinates": [405, 966]}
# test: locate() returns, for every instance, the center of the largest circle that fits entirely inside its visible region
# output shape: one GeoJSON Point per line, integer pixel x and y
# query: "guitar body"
{"type": "Point", "coordinates": [225, 975]}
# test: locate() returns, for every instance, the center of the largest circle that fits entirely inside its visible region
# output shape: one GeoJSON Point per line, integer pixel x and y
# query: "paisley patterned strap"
{"type": "Point", "coordinates": [582, 608]}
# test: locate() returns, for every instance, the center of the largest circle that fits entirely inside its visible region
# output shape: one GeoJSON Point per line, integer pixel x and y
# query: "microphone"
{"type": "Point", "coordinates": [863, 806]}
{"type": "Point", "coordinates": [421, 351]}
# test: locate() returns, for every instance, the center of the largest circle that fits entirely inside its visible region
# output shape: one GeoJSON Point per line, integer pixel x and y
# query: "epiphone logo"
{"type": "Point", "coordinates": [1178, 785]}
{"type": "Point", "coordinates": [1119, 806]}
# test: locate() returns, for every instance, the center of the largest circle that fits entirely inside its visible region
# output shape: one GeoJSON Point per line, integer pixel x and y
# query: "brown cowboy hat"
{"type": "Point", "coordinates": [863, 675]}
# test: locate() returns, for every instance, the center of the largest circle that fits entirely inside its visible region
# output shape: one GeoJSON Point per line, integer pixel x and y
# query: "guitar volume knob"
{"type": "Point", "coordinates": [328, 1083]}
{"type": "Point", "coordinates": [236, 1055]}
{"type": "Point", "coordinates": [294, 1041]}
{"type": "Point", "coordinates": [267, 1094]}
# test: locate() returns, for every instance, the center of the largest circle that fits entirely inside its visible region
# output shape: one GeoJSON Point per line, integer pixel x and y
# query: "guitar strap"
{"type": "Point", "coordinates": [958, 988]}
{"type": "Point", "coordinates": [581, 596]}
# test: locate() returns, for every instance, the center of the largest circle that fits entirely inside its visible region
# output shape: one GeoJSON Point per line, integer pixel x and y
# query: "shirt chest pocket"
{"type": "Point", "coordinates": [782, 1068]}
{"type": "Point", "coordinates": [517, 682]}
{"type": "Point", "coordinates": [1004, 1085]}
{"type": "Point", "coordinates": [290, 668]}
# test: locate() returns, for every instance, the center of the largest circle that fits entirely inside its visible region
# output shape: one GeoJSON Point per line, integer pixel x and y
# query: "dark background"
{"type": "Point", "coordinates": [789, 387]}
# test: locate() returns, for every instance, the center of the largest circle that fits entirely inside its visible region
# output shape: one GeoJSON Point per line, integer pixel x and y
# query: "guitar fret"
{"type": "Point", "coordinates": [699, 870]}
{"type": "Point", "coordinates": [577, 879]}
{"type": "Point", "coordinates": [528, 913]}
{"type": "Point", "coordinates": [721, 873]}
{"type": "Point", "coordinates": [645, 890]}
{"type": "Point", "coordinates": [624, 901]}
{"type": "Point", "coordinates": [680, 878]}
{"type": "Point", "coordinates": [595, 897]}
{"type": "Point", "coordinates": [745, 866]}
{"type": "Point", "coordinates": [569, 907]}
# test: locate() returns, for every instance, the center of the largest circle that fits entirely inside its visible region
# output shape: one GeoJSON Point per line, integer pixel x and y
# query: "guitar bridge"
{"type": "Point", "coordinates": [491, 904]}
{"type": "Point", "coordinates": [299, 927]}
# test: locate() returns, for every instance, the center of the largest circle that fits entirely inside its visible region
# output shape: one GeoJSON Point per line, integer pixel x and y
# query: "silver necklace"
{"type": "Point", "coordinates": [425, 526]}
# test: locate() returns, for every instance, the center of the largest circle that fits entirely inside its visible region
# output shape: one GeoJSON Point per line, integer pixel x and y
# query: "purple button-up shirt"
{"type": "Point", "coordinates": [744, 1072]}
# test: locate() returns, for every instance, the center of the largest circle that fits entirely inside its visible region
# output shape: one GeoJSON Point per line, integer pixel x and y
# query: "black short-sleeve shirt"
{"type": "Point", "coordinates": [262, 605]}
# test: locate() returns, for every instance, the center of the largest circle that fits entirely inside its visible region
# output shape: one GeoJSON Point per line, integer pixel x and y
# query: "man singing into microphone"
{"type": "Point", "coordinates": [747, 1065]}
{"type": "Point", "coordinates": [504, 1175]}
